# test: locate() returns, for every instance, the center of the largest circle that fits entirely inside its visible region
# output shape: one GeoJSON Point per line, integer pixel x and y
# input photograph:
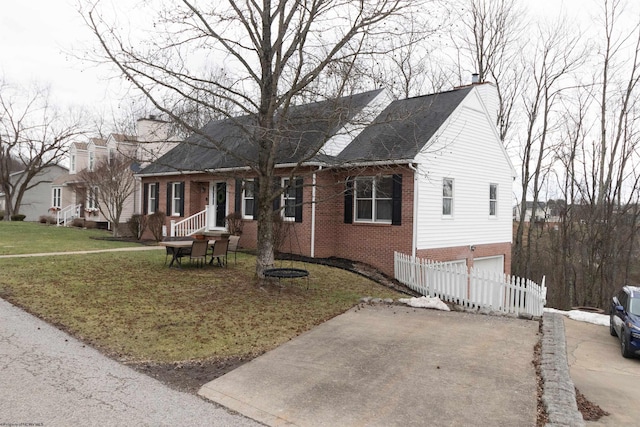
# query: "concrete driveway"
{"type": "Point", "coordinates": [386, 365]}
{"type": "Point", "coordinates": [600, 372]}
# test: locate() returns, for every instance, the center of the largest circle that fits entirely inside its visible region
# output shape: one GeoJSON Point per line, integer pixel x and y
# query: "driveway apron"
{"type": "Point", "coordinates": [387, 365]}
{"type": "Point", "coordinates": [48, 378]}
{"type": "Point", "coordinates": [600, 372]}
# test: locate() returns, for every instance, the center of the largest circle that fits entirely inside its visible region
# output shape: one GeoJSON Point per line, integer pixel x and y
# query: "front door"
{"type": "Point", "coordinates": [219, 203]}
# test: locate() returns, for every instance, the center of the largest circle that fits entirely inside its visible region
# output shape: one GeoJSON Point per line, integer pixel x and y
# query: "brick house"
{"type": "Point", "coordinates": [363, 176]}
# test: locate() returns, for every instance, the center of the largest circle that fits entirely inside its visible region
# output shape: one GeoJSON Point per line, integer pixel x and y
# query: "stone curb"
{"type": "Point", "coordinates": [558, 396]}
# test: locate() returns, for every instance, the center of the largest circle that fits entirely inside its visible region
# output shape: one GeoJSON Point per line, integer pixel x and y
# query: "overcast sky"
{"type": "Point", "coordinates": [35, 36]}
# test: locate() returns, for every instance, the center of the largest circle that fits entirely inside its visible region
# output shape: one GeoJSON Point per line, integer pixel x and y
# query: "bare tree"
{"type": "Point", "coordinates": [113, 181]}
{"type": "Point", "coordinates": [490, 40]}
{"type": "Point", "coordinates": [33, 136]}
{"type": "Point", "coordinates": [552, 60]}
{"type": "Point", "coordinates": [276, 53]}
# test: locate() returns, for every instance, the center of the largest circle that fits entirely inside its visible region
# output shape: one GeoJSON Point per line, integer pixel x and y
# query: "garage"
{"type": "Point", "coordinates": [493, 263]}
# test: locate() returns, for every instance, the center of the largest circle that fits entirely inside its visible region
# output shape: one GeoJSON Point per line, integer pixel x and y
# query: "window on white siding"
{"type": "Point", "coordinates": [248, 199]}
{"type": "Point", "coordinates": [72, 163]}
{"type": "Point", "coordinates": [92, 198]}
{"type": "Point", "coordinates": [56, 201]}
{"type": "Point", "coordinates": [175, 198]}
{"type": "Point", "coordinates": [493, 199]}
{"type": "Point", "coordinates": [373, 199]}
{"type": "Point", "coordinates": [92, 160]}
{"type": "Point", "coordinates": [151, 201]}
{"type": "Point", "coordinates": [288, 200]}
{"type": "Point", "coordinates": [447, 196]}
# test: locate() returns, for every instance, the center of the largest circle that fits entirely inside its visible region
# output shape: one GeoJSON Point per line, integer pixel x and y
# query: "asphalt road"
{"type": "Point", "coordinates": [48, 378]}
{"type": "Point", "coordinates": [600, 372]}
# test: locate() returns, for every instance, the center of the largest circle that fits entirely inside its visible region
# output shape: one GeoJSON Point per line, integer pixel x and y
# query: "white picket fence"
{"type": "Point", "coordinates": [472, 289]}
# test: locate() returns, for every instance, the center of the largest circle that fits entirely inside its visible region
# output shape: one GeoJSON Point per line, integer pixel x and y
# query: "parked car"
{"type": "Point", "coordinates": [624, 320]}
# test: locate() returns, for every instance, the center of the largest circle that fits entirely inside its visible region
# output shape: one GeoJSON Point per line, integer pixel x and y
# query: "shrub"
{"type": "Point", "coordinates": [77, 222]}
{"type": "Point", "coordinates": [47, 219]}
{"type": "Point", "coordinates": [18, 217]}
{"type": "Point", "coordinates": [1, 215]}
{"type": "Point", "coordinates": [90, 225]}
{"type": "Point", "coordinates": [235, 223]}
{"type": "Point", "coordinates": [137, 224]}
{"type": "Point", "coordinates": [155, 222]}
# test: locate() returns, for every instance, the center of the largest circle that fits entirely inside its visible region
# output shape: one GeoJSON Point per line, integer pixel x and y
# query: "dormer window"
{"type": "Point", "coordinates": [72, 163]}
{"type": "Point", "coordinates": [92, 160]}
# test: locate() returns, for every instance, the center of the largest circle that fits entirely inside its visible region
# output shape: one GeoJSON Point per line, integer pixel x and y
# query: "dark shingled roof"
{"type": "Point", "coordinates": [403, 128]}
{"type": "Point", "coordinates": [305, 131]}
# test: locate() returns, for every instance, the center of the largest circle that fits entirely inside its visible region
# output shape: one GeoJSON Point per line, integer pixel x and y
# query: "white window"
{"type": "Point", "coordinates": [493, 199]}
{"type": "Point", "coordinates": [175, 198]}
{"type": "Point", "coordinates": [92, 160]}
{"type": "Point", "coordinates": [248, 199]}
{"type": "Point", "coordinates": [447, 197]}
{"type": "Point", "coordinates": [288, 200]}
{"type": "Point", "coordinates": [92, 199]}
{"type": "Point", "coordinates": [373, 199]}
{"type": "Point", "coordinates": [151, 201]}
{"type": "Point", "coordinates": [56, 201]}
{"type": "Point", "coordinates": [72, 165]}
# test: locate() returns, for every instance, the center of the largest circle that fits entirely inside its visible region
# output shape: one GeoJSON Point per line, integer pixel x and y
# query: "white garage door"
{"type": "Point", "coordinates": [493, 263]}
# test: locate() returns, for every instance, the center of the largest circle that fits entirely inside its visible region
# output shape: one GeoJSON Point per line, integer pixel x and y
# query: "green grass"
{"type": "Point", "coordinates": [19, 237]}
{"type": "Point", "coordinates": [131, 306]}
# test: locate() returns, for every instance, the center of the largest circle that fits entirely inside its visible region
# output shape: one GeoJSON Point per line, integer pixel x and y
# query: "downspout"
{"type": "Point", "coordinates": [414, 238]}
{"type": "Point", "coordinates": [313, 213]}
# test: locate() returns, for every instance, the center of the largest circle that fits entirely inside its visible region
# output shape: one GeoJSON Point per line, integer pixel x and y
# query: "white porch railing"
{"type": "Point", "coordinates": [67, 214]}
{"type": "Point", "coordinates": [474, 289]}
{"type": "Point", "coordinates": [188, 226]}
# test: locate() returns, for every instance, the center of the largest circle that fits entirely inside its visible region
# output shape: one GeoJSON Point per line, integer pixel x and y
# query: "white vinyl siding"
{"type": "Point", "coordinates": [469, 152]}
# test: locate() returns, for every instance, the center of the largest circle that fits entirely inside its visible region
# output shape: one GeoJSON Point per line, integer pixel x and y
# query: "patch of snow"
{"type": "Point", "coordinates": [425, 302]}
{"type": "Point", "coordinates": [583, 316]}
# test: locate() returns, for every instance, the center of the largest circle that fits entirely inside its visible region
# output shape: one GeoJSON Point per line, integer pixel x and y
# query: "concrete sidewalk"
{"type": "Point", "coordinates": [48, 378]}
{"type": "Point", "coordinates": [390, 365]}
{"type": "Point", "coordinates": [91, 251]}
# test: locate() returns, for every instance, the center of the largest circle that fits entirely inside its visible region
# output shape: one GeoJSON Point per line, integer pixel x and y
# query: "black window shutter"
{"type": "Point", "coordinates": [299, 187]}
{"type": "Point", "coordinates": [238, 198]}
{"type": "Point", "coordinates": [181, 189]}
{"type": "Point", "coordinates": [145, 199]}
{"type": "Point", "coordinates": [396, 200]}
{"type": "Point", "coordinates": [256, 190]}
{"type": "Point", "coordinates": [156, 206]}
{"type": "Point", "coordinates": [169, 187]}
{"type": "Point", "coordinates": [348, 202]}
{"type": "Point", "coordinates": [276, 186]}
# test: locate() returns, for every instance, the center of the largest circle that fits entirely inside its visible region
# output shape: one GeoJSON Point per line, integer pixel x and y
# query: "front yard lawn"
{"type": "Point", "coordinates": [131, 306]}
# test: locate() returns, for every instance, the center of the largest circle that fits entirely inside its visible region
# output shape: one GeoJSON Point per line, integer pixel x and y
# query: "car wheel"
{"type": "Point", "coordinates": [624, 346]}
{"type": "Point", "coordinates": [612, 330]}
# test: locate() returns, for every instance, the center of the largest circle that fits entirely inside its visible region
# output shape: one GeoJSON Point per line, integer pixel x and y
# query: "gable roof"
{"type": "Point", "coordinates": [403, 128]}
{"type": "Point", "coordinates": [305, 131]}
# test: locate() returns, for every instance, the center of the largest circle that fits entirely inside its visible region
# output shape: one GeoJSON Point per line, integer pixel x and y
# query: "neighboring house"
{"type": "Point", "coordinates": [71, 195]}
{"type": "Point", "coordinates": [38, 199]}
{"type": "Point", "coordinates": [425, 176]}
{"type": "Point", "coordinates": [542, 213]}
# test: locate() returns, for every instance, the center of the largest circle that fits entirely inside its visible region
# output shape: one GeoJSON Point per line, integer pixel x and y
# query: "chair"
{"type": "Point", "coordinates": [199, 249]}
{"type": "Point", "coordinates": [233, 246]}
{"type": "Point", "coordinates": [220, 252]}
